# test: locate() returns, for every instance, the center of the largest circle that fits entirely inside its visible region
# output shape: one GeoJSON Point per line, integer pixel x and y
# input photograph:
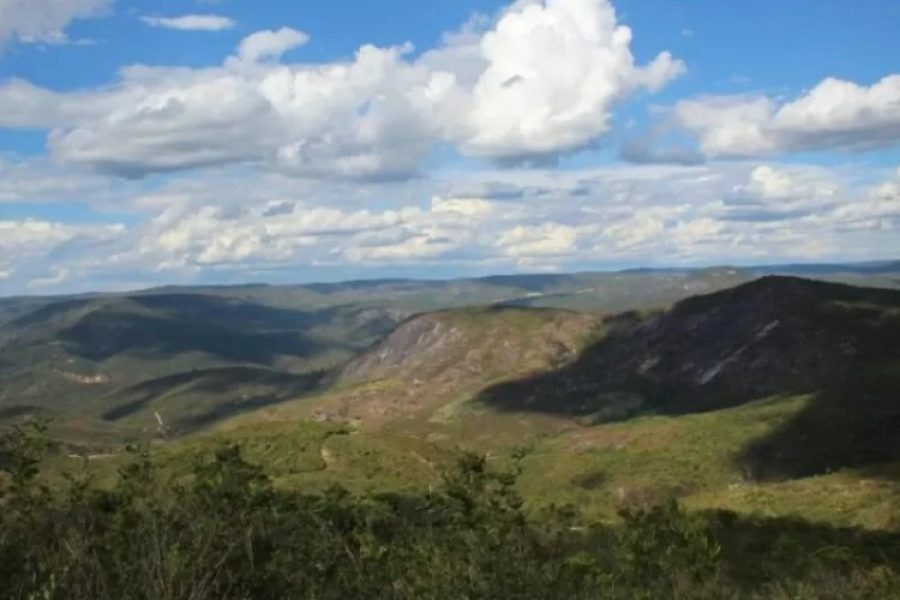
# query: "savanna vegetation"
{"type": "Point", "coordinates": [218, 528]}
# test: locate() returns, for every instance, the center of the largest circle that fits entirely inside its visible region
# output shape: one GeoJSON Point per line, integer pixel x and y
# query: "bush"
{"type": "Point", "coordinates": [222, 531]}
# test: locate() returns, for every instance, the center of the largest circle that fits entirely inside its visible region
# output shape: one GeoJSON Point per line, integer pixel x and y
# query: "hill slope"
{"type": "Point", "coordinates": [774, 335]}
{"type": "Point", "coordinates": [779, 379]}
{"type": "Point", "coordinates": [421, 379]}
{"type": "Point", "coordinates": [99, 357]}
{"type": "Point", "coordinates": [777, 335]}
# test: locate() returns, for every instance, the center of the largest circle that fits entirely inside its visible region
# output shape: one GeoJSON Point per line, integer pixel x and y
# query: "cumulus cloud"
{"type": "Point", "coordinates": [541, 79]}
{"type": "Point", "coordinates": [878, 210]}
{"type": "Point", "coordinates": [470, 207]}
{"type": "Point", "coordinates": [34, 246]}
{"type": "Point", "coordinates": [44, 21]}
{"type": "Point", "coordinates": [42, 180]}
{"type": "Point", "coordinates": [185, 235]}
{"type": "Point", "coordinates": [553, 72]}
{"type": "Point", "coordinates": [270, 44]}
{"type": "Point", "coordinates": [57, 276]}
{"type": "Point", "coordinates": [546, 240]}
{"type": "Point", "coordinates": [191, 22]}
{"type": "Point", "coordinates": [835, 114]}
{"type": "Point", "coordinates": [20, 239]}
{"type": "Point", "coordinates": [228, 225]}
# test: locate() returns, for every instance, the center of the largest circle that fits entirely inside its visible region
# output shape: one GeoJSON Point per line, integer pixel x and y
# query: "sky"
{"type": "Point", "coordinates": [229, 141]}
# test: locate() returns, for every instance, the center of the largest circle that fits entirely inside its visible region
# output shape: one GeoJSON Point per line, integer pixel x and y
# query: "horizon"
{"type": "Point", "coordinates": [775, 269]}
{"type": "Point", "coordinates": [211, 143]}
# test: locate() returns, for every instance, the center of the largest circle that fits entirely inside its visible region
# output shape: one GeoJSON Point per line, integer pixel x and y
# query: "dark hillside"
{"type": "Point", "coordinates": [776, 335]}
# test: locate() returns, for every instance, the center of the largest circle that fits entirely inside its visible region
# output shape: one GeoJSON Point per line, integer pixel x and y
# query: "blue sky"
{"type": "Point", "coordinates": [225, 141]}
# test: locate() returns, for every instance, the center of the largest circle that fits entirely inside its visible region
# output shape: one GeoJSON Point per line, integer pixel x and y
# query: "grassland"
{"type": "Point", "coordinates": [596, 470]}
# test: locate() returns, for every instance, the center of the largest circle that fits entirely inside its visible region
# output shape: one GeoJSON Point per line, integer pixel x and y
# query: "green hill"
{"type": "Point", "coordinates": [714, 400]}
{"type": "Point", "coordinates": [196, 356]}
{"type": "Point", "coordinates": [754, 398]}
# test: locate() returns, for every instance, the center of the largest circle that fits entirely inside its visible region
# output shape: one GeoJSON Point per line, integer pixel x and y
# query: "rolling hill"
{"type": "Point", "coordinates": [753, 397]}
{"type": "Point", "coordinates": [112, 357]}
{"type": "Point", "coordinates": [84, 356]}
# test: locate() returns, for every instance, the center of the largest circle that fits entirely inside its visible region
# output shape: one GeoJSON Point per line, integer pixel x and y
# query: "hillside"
{"type": "Point", "coordinates": [773, 335]}
{"type": "Point", "coordinates": [71, 356]}
{"type": "Point", "coordinates": [423, 377]}
{"type": "Point", "coordinates": [776, 335]}
{"type": "Point", "coordinates": [753, 398]}
{"type": "Point", "coordinates": [492, 376]}
{"type": "Point", "coordinates": [196, 356]}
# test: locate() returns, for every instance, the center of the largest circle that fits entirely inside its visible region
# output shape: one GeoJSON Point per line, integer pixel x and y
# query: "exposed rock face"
{"type": "Point", "coordinates": [416, 346]}
{"type": "Point", "coordinates": [474, 344]}
{"type": "Point", "coordinates": [443, 358]}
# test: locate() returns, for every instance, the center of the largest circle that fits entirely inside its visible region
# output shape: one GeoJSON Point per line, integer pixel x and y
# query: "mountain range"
{"type": "Point", "coordinates": [725, 387]}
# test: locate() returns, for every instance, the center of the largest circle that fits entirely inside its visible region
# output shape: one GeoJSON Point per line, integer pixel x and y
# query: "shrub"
{"type": "Point", "coordinates": [223, 531]}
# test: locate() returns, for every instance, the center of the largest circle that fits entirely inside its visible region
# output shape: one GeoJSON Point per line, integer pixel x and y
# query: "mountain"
{"type": "Point", "coordinates": [83, 355]}
{"type": "Point", "coordinates": [773, 335]}
{"type": "Point", "coordinates": [493, 377]}
{"type": "Point", "coordinates": [497, 376]}
{"type": "Point", "coordinates": [776, 336]}
{"type": "Point", "coordinates": [738, 413]}
{"type": "Point", "coordinates": [422, 379]}
{"type": "Point", "coordinates": [759, 396]}
{"type": "Point", "coordinates": [196, 355]}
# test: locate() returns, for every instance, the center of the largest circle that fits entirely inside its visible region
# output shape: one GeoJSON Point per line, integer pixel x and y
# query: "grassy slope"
{"type": "Point", "coordinates": [697, 458]}
{"type": "Point", "coordinates": [598, 469]}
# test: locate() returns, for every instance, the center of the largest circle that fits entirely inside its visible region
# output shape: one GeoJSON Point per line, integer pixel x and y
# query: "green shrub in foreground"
{"type": "Point", "coordinates": [223, 532]}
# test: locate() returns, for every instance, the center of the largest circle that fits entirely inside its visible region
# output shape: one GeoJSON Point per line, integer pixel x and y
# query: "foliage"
{"type": "Point", "coordinates": [663, 549]}
{"type": "Point", "coordinates": [223, 531]}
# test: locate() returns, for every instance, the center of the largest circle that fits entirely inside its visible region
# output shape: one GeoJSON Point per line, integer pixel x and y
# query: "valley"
{"type": "Point", "coordinates": [754, 396]}
{"type": "Point", "coordinates": [743, 421]}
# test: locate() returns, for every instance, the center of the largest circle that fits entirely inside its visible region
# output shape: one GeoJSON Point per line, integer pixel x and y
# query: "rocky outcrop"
{"type": "Point", "coordinates": [474, 344]}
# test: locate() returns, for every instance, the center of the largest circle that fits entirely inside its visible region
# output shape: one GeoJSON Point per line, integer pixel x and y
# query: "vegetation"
{"type": "Point", "coordinates": [223, 531]}
{"type": "Point", "coordinates": [740, 444]}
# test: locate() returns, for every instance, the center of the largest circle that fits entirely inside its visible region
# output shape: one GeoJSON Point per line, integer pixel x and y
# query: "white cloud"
{"type": "Point", "coordinates": [835, 114]}
{"type": "Point", "coordinates": [44, 21]}
{"type": "Point", "coordinates": [553, 72]}
{"type": "Point", "coordinates": [58, 275]}
{"type": "Point", "coordinates": [183, 234]}
{"type": "Point", "coordinates": [270, 44]}
{"type": "Point", "coordinates": [32, 246]}
{"type": "Point", "coordinates": [42, 180]}
{"type": "Point", "coordinates": [541, 79]}
{"type": "Point", "coordinates": [878, 209]}
{"type": "Point", "coordinates": [191, 22]}
{"type": "Point", "coordinates": [238, 226]}
{"type": "Point", "coordinates": [771, 182]}
{"type": "Point", "coordinates": [470, 207]}
{"type": "Point", "coordinates": [33, 235]}
{"type": "Point", "coordinates": [549, 239]}
{"type": "Point", "coordinates": [634, 231]}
